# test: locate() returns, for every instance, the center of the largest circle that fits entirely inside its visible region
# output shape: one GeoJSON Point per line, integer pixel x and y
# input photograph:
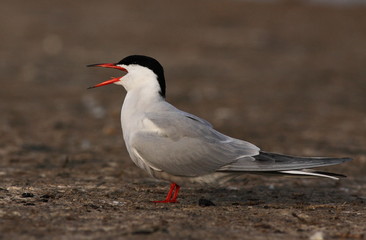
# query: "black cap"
{"type": "Point", "coordinates": [151, 64]}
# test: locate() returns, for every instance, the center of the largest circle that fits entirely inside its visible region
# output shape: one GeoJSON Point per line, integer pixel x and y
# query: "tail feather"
{"type": "Point", "coordinates": [294, 162]}
{"type": "Point", "coordinates": [312, 173]}
{"type": "Point", "coordinates": [285, 164]}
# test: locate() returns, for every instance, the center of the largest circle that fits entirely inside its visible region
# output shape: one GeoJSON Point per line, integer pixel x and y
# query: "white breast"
{"type": "Point", "coordinates": [133, 121]}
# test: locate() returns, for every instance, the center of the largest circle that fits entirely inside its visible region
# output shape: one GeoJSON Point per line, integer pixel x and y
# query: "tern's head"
{"type": "Point", "coordinates": [142, 71]}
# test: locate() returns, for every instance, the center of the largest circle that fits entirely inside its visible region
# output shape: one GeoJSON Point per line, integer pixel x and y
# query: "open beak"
{"type": "Point", "coordinates": [107, 65]}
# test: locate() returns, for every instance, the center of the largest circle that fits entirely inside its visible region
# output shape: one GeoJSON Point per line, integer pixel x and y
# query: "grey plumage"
{"type": "Point", "coordinates": [266, 161]}
{"type": "Point", "coordinates": [186, 145]}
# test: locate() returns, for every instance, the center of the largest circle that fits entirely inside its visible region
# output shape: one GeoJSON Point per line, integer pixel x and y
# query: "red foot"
{"type": "Point", "coordinates": [169, 198]}
{"type": "Point", "coordinates": [165, 201]}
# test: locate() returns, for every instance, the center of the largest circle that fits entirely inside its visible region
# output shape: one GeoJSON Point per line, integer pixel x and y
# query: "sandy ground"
{"type": "Point", "coordinates": [287, 76]}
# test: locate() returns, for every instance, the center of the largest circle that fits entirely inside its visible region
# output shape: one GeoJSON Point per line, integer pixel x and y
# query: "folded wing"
{"type": "Point", "coordinates": [185, 146]}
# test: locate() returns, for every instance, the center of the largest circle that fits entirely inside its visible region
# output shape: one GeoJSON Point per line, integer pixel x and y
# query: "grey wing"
{"type": "Point", "coordinates": [194, 117]}
{"type": "Point", "coordinates": [185, 146]}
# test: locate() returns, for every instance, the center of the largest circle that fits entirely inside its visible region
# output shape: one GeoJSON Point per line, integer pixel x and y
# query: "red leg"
{"type": "Point", "coordinates": [169, 198]}
{"type": "Point", "coordinates": [175, 196]}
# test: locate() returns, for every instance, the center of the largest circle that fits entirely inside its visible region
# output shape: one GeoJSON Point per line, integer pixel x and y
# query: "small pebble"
{"type": "Point", "coordinates": [26, 195]}
{"type": "Point", "coordinates": [317, 236]}
{"type": "Point", "coordinates": [205, 203]}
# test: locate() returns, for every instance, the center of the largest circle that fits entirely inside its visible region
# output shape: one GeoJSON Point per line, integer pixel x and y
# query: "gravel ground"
{"type": "Point", "coordinates": [287, 76]}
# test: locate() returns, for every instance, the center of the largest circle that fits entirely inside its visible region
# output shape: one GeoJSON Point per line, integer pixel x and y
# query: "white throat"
{"type": "Point", "coordinates": [143, 92]}
{"type": "Point", "coordinates": [140, 80]}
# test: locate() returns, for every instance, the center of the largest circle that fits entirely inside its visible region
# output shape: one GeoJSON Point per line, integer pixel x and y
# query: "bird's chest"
{"type": "Point", "coordinates": [135, 123]}
{"type": "Point", "coordinates": [133, 117]}
{"type": "Point", "coordinates": [131, 122]}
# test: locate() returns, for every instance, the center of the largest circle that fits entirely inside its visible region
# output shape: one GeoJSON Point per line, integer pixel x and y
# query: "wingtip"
{"type": "Point", "coordinates": [347, 159]}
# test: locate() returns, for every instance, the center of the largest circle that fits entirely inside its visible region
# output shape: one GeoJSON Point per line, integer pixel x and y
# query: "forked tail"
{"type": "Point", "coordinates": [274, 163]}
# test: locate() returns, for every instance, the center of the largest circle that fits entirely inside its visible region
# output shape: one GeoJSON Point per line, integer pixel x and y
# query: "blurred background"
{"type": "Point", "coordinates": [286, 75]}
{"type": "Point", "coordinates": [289, 76]}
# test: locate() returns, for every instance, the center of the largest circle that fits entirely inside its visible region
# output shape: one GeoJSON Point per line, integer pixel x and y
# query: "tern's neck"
{"type": "Point", "coordinates": [142, 99]}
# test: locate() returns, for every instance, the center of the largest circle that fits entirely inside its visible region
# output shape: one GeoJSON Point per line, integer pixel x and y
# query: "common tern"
{"type": "Point", "coordinates": [180, 147]}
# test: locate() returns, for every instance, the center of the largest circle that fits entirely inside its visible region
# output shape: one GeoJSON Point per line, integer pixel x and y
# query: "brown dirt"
{"type": "Point", "coordinates": [287, 76]}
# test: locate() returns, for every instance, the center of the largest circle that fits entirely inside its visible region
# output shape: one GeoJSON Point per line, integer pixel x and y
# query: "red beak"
{"type": "Point", "coordinates": [107, 65]}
